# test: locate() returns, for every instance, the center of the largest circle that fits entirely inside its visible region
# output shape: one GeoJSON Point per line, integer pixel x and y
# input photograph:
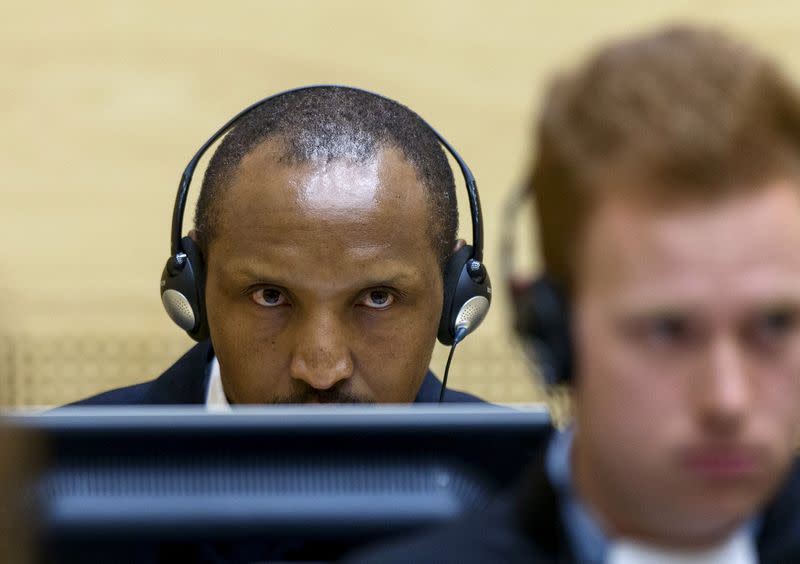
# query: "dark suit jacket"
{"type": "Point", "coordinates": [185, 383]}
{"type": "Point", "coordinates": [525, 527]}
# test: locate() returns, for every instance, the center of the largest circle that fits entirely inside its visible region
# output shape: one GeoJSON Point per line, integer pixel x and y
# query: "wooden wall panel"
{"type": "Point", "coordinates": [104, 102]}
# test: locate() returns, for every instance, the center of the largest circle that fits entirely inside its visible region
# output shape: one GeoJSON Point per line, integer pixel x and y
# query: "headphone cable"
{"type": "Point", "coordinates": [461, 332]}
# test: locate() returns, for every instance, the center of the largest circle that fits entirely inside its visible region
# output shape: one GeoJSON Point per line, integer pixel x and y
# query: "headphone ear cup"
{"type": "Point", "coordinates": [183, 290]}
{"type": "Point", "coordinates": [542, 320]}
{"type": "Point", "coordinates": [467, 295]}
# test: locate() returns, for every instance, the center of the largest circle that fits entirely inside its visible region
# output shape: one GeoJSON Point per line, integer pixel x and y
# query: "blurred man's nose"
{"type": "Point", "coordinates": [722, 391]}
{"type": "Point", "coordinates": [322, 355]}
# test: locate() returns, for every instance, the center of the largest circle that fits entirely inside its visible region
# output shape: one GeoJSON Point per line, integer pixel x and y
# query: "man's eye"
{"type": "Point", "coordinates": [666, 330]}
{"type": "Point", "coordinates": [268, 297]}
{"type": "Point", "coordinates": [377, 299]}
{"type": "Point", "coordinates": [774, 325]}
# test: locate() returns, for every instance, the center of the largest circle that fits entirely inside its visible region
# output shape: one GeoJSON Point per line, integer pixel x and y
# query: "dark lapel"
{"type": "Point", "coordinates": [779, 540]}
{"type": "Point", "coordinates": [432, 386]}
{"type": "Point", "coordinates": [185, 381]}
{"type": "Point", "coordinates": [429, 390]}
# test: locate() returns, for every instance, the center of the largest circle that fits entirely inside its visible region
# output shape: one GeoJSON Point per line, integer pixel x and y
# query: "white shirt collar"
{"type": "Point", "coordinates": [738, 549]}
{"type": "Point", "coordinates": [215, 393]}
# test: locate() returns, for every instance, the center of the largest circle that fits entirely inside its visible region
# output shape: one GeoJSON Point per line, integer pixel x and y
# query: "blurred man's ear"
{"type": "Point", "coordinates": [193, 235]}
{"type": "Point", "coordinates": [459, 244]}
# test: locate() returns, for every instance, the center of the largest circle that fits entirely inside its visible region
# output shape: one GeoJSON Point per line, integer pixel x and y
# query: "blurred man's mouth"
{"type": "Point", "coordinates": [723, 463]}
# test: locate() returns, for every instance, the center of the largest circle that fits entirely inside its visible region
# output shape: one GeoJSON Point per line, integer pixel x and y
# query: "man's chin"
{"type": "Point", "coordinates": [700, 521]}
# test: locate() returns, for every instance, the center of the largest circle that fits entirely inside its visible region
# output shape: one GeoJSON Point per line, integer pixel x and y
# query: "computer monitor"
{"type": "Point", "coordinates": [285, 482]}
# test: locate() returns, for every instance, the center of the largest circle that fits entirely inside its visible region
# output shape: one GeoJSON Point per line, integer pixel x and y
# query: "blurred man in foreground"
{"type": "Point", "coordinates": [667, 186]}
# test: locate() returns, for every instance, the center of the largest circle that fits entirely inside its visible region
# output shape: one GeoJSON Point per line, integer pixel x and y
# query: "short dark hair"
{"type": "Point", "coordinates": [329, 123]}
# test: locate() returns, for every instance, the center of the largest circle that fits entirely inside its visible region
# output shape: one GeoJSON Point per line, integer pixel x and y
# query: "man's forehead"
{"type": "Point", "coordinates": [325, 208]}
{"type": "Point", "coordinates": [354, 185]}
{"type": "Point", "coordinates": [630, 240]}
{"type": "Point", "coordinates": [326, 262]}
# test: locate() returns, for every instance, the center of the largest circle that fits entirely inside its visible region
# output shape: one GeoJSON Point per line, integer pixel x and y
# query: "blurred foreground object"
{"type": "Point", "coordinates": [284, 482]}
{"type": "Point", "coordinates": [17, 471]}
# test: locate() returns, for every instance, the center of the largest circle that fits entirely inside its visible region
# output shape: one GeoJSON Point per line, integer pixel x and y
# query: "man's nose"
{"type": "Point", "coordinates": [722, 391]}
{"type": "Point", "coordinates": [322, 355]}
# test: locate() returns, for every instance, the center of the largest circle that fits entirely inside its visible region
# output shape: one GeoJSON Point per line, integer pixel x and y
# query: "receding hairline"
{"type": "Point", "coordinates": [276, 148]}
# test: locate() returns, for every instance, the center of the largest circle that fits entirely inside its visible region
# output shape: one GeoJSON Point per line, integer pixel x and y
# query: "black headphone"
{"type": "Point", "coordinates": [540, 309]}
{"type": "Point", "coordinates": [467, 288]}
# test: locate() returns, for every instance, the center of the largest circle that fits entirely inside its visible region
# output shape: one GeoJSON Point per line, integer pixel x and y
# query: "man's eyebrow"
{"type": "Point", "coordinates": [397, 279]}
{"type": "Point", "coordinates": [777, 305]}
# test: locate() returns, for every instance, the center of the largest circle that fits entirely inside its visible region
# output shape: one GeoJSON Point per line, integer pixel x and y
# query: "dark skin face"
{"type": "Point", "coordinates": [323, 284]}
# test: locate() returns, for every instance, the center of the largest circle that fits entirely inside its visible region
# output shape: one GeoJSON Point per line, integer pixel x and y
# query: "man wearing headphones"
{"type": "Point", "coordinates": [324, 262]}
{"type": "Point", "coordinates": [667, 189]}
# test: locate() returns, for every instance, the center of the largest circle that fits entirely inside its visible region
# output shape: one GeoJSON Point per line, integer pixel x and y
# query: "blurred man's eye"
{"type": "Point", "coordinates": [269, 297]}
{"type": "Point", "coordinates": [771, 327]}
{"type": "Point", "coordinates": [376, 299]}
{"type": "Point", "coordinates": [660, 330]}
{"type": "Point", "coordinates": [667, 329]}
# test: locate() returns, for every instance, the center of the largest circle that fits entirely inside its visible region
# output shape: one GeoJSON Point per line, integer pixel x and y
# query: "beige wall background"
{"type": "Point", "coordinates": [103, 103]}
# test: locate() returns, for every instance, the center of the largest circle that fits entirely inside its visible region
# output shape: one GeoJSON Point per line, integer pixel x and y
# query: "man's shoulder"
{"type": "Point", "coordinates": [181, 383]}
{"type": "Point", "coordinates": [127, 395]}
{"type": "Point", "coordinates": [456, 396]}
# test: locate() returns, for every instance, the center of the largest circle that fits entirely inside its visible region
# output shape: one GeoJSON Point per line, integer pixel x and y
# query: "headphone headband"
{"type": "Point", "coordinates": [188, 173]}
